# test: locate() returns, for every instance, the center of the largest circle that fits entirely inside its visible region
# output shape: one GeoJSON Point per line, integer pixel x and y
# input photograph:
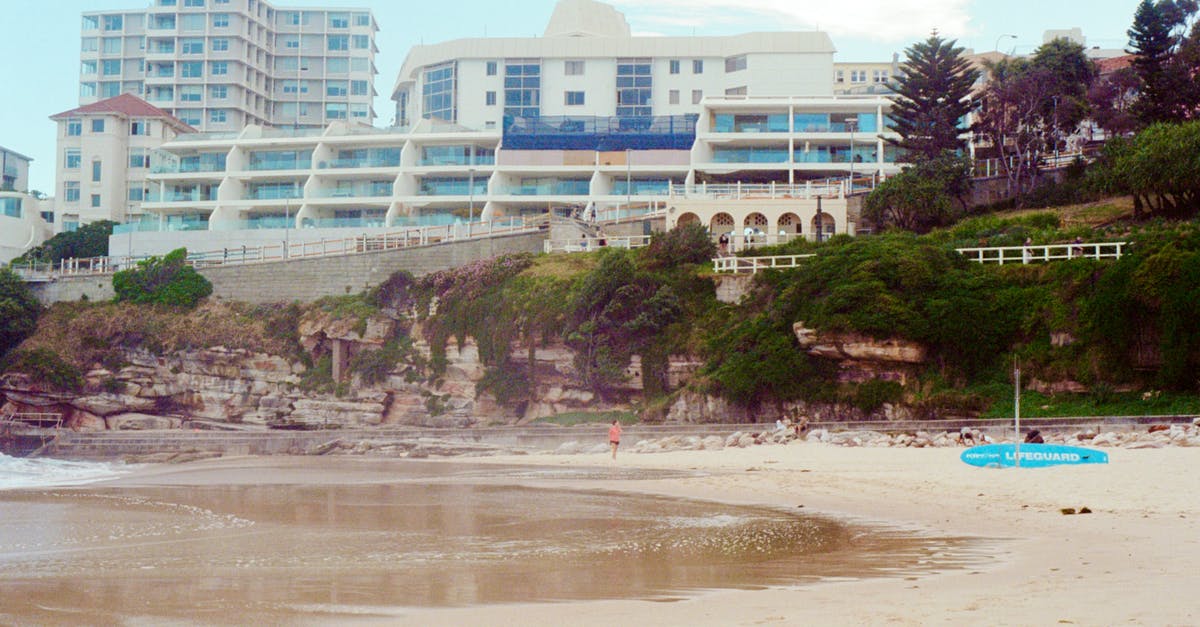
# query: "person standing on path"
{"type": "Point", "coordinates": [614, 437]}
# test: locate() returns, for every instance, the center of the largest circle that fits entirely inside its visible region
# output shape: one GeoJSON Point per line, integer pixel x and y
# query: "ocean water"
{"type": "Point", "coordinates": [19, 472]}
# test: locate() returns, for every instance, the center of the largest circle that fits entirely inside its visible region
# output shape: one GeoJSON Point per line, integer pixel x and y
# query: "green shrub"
{"type": "Point", "coordinates": [19, 311]}
{"type": "Point", "coordinates": [871, 395]}
{"type": "Point", "coordinates": [46, 367]}
{"type": "Point", "coordinates": [166, 280]}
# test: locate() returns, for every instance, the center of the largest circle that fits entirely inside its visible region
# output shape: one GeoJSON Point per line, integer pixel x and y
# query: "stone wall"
{"type": "Point", "coordinates": [307, 280]}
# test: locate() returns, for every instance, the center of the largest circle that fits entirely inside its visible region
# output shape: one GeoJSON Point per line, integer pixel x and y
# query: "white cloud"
{"type": "Point", "coordinates": [881, 20]}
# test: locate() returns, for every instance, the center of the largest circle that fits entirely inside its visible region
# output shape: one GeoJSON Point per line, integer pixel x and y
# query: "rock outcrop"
{"type": "Point", "coordinates": [862, 358]}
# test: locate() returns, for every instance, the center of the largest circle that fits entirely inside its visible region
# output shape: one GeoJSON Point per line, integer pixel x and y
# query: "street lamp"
{"type": "Point", "coordinates": [628, 184]}
{"type": "Point", "coordinates": [1056, 131]}
{"type": "Point", "coordinates": [818, 218]}
{"type": "Point", "coordinates": [470, 199]}
{"type": "Point", "coordinates": [852, 124]}
{"type": "Point", "coordinates": [997, 48]}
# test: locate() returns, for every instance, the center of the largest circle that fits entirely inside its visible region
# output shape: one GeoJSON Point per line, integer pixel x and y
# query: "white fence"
{"type": "Point", "coordinates": [589, 244]}
{"type": "Point", "coordinates": [752, 265]}
{"type": "Point", "coordinates": [1044, 253]}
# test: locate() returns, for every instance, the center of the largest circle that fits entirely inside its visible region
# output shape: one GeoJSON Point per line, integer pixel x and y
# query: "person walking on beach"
{"type": "Point", "coordinates": [614, 437]}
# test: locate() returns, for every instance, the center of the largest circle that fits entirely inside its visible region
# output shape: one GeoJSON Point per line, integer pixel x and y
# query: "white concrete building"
{"type": "Point", "coordinates": [21, 224]}
{"type": "Point", "coordinates": [14, 167]}
{"type": "Point", "coordinates": [588, 64]}
{"type": "Point", "coordinates": [103, 157]}
{"type": "Point", "coordinates": [224, 64]}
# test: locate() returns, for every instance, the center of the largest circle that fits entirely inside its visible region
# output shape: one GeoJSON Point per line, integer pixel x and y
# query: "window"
{"type": "Point", "coordinates": [96, 201]}
{"type": "Point", "coordinates": [674, 66]}
{"type": "Point", "coordinates": [138, 158]}
{"type": "Point", "coordinates": [220, 45]}
{"type": "Point", "coordinates": [336, 88]}
{"type": "Point", "coordinates": [193, 23]}
{"type": "Point", "coordinates": [74, 127]}
{"type": "Point", "coordinates": [111, 67]}
{"type": "Point", "coordinates": [339, 42]}
{"type": "Point", "coordinates": [139, 127]}
{"type": "Point", "coordinates": [858, 76]}
{"type": "Point", "coordinates": [10, 207]}
{"type": "Point", "coordinates": [697, 96]}
{"type": "Point", "coordinates": [137, 194]}
{"type": "Point", "coordinates": [71, 159]}
{"type": "Point", "coordinates": [191, 93]}
{"type": "Point", "coordinates": [735, 64]}
{"type": "Point", "coordinates": [96, 171]}
{"type": "Point", "coordinates": [339, 20]}
{"type": "Point", "coordinates": [193, 46]}
{"type": "Point", "coordinates": [335, 111]}
{"type": "Point", "coordinates": [573, 98]}
{"type": "Point", "coordinates": [218, 92]}
{"type": "Point", "coordinates": [191, 69]}
{"type": "Point", "coordinates": [439, 92]}
{"type": "Point", "coordinates": [880, 76]}
{"type": "Point", "coordinates": [359, 88]}
{"type": "Point", "coordinates": [359, 111]}
{"type": "Point", "coordinates": [219, 68]}
{"type": "Point", "coordinates": [839, 76]}
{"type": "Point", "coordinates": [573, 68]}
{"type": "Point", "coordinates": [491, 68]}
{"type": "Point", "coordinates": [490, 98]}
{"type": "Point", "coordinates": [91, 22]}
{"type": "Point", "coordinates": [191, 117]}
{"type": "Point", "coordinates": [217, 116]}
{"type": "Point", "coordinates": [89, 44]}
{"type": "Point", "coordinates": [359, 64]}
{"type": "Point", "coordinates": [71, 191]}
{"type": "Point", "coordinates": [361, 42]}
{"type": "Point", "coordinates": [736, 91]}
{"type": "Point", "coordinates": [673, 97]}
{"type": "Point", "coordinates": [220, 20]}
{"type": "Point", "coordinates": [98, 126]}
{"type": "Point", "coordinates": [291, 43]}
{"type": "Point", "coordinates": [336, 66]}
{"type": "Point", "coordinates": [193, 3]}
{"type": "Point", "coordinates": [522, 88]}
{"type": "Point", "coordinates": [362, 19]}
{"type": "Point", "coordinates": [634, 87]}
{"type": "Point", "coordinates": [698, 66]}
{"type": "Point", "coordinates": [111, 45]}
{"type": "Point", "coordinates": [110, 90]}
{"type": "Point", "coordinates": [113, 22]}
{"type": "Point", "coordinates": [87, 90]}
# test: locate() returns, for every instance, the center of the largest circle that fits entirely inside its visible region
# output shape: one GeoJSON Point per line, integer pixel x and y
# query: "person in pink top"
{"type": "Point", "coordinates": [614, 436]}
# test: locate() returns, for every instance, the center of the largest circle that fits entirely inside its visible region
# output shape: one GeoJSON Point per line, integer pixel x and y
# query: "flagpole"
{"type": "Point", "coordinates": [1017, 412]}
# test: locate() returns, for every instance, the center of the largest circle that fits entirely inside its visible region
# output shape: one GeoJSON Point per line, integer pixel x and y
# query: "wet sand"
{"type": "Point", "coordinates": [296, 540]}
{"type": "Point", "coordinates": [1131, 561]}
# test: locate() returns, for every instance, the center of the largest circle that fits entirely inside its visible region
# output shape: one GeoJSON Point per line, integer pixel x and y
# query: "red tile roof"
{"type": "Point", "coordinates": [127, 105]}
{"type": "Point", "coordinates": [1112, 64]}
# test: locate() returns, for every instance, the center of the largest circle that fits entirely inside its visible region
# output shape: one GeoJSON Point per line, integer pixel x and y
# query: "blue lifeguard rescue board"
{"type": "Point", "coordinates": [1032, 455]}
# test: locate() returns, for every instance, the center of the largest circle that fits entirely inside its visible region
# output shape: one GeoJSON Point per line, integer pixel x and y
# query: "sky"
{"type": "Point", "coordinates": [39, 41]}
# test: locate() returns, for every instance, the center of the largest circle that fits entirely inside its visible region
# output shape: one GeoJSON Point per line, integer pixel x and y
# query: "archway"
{"type": "Point", "coordinates": [687, 218]}
{"type": "Point", "coordinates": [827, 227]}
{"type": "Point", "coordinates": [790, 224]}
{"type": "Point", "coordinates": [721, 223]}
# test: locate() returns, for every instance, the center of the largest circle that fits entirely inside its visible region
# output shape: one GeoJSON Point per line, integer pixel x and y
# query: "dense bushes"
{"type": "Point", "coordinates": [18, 311]}
{"type": "Point", "coordinates": [164, 280]}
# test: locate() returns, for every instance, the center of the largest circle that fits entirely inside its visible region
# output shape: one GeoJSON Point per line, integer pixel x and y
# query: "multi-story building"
{"type": "Point", "coordinates": [22, 223]}
{"type": "Point", "coordinates": [586, 129]}
{"type": "Point", "coordinates": [15, 169]}
{"type": "Point", "coordinates": [866, 78]}
{"type": "Point", "coordinates": [587, 64]}
{"type": "Point", "coordinates": [220, 65]}
{"type": "Point", "coordinates": [103, 156]}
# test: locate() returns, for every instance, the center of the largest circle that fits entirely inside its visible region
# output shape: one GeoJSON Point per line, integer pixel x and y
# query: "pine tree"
{"type": "Point", "coordinates": [932, 99]}
{"type": "Point", "coordinates": [1168, 91]}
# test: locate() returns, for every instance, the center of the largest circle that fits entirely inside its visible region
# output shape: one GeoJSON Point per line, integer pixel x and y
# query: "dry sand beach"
{"type": "Point", "coordinates": [1132, 561]}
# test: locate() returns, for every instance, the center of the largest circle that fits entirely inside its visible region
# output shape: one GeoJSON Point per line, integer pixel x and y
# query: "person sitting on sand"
{"type": "Point", "coordinates": [1034, 437]}
{"type": "Point", "coordinates": [614, 437]}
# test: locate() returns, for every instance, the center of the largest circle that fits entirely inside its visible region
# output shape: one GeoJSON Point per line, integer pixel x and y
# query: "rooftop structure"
{"type": "Point", "coordinates": [225, 64]}
{"type": "Point", "coordinates": [14, 167]}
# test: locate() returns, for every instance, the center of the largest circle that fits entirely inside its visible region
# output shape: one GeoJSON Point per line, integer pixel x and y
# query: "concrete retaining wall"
{"type": "Point", "coordinates": [307, 280]}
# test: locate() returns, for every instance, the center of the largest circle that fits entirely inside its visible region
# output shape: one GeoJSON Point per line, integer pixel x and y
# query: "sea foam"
{"type": "Point", "coordinates": [18, 472]}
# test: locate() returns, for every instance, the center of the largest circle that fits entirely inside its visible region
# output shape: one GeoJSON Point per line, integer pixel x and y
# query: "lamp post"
{"type": "Point", "coordinates": [1056, 131]}
{"type": "Point", "coordinates": [628, 183]}
{"type": "Point", "coordinates": [470, 199]}
{"type": "Point", "coordinates": [818, 219]}
{"type": "Point", "coordinates": [852, 124]}
{"type": "Point", "coordinates": [997, 48]}
{"type": "Point", "coordinates": [287, 218]}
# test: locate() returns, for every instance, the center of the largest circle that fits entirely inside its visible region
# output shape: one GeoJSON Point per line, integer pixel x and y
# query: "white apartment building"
{"type": "Point", "coordinates": [21, 223]}
{"type": "Point", "coordinates": [14, 167]}
{"type": "Point", "coordinates": [103, 157]}
{"type": "Point", "coordinates": [220, 65]}
{"type": "Point", "coordinates": [588, 64]}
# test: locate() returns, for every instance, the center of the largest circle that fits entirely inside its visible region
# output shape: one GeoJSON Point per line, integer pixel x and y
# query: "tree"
{"type": "Point", "coordinates": [1168, 91]}
{"type": "Point", "coordinates": [932, 99]}
{"type": "Point", "coordinates": [164, 280]}
{"type": "Point", "coordinates": [18, 311]}
{"type": "Point", "coordinates": [90, 240]}
{"type": "Point", "coordinates": [1158, 167]}
{"type": "Point", "coordinates": [908, 201]}
{"type": "Point", "coordinates": [1030, 103]}
{"type": "Point", "coordinates": [1111, 99]}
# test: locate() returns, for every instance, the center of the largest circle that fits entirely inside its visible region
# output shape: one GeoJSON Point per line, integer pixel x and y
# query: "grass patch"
{"type": "Point", "coordinates": [570, 419]}
{"type": "Point", "coordinates": [561, 266]}
{"type": "Point", "coordinates": [1036, 405]}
